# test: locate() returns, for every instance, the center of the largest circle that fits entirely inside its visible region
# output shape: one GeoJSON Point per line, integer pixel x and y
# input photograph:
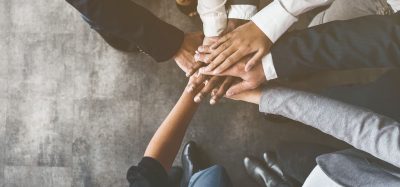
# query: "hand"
{"type": "Point", "coordinates": [208, 41]}
{"type": "Point", "coordinates": [228, 50]}
{"type": "Point", "coordinates": [198, 79]}
{"type": "Point", "coordinates": [216, 85]}
{"type": "Point", "coordinates": [217, 92]}
{"type": "Point", "coordinates": [233, 24]}
{"type": "Point", "coordinates": [251, 96]}
{"type": "Point", "coordinates": [184, 57]}
{"type": "Point", "coordinates": [250, 80]}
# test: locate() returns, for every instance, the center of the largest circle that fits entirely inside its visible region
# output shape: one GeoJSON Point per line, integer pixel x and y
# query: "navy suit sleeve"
{"type": "Point", "coordinates": [366, 42]}
{"type": "Point", "coordinates": [133, 23]}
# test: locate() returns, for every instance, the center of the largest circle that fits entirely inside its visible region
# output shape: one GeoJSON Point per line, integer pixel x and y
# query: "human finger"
{"type": "Point", "coordinates": [195, 81]}
{"type": "Point", "coordinates": [220, 92]}
{"type": "Point", "coordinates": [220, 58]}
{"type": "Point", "coordinates": [239, 87]}
{"type": "Point", "coordinates": [204, 49]}
{"type": "Point", "coordinates": [216, 52]}
{"type": "Point", "coordinates": [212, 83]}
{"type": "Point", "coordinates": [254, 60]}
{"type": "Point", "coordinates": [220, 41]}
{"type": "Point", "coordinates": [231, 60]}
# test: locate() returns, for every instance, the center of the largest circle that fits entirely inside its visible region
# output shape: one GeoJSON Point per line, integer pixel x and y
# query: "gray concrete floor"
{"type": "Point", "coordinates": [75, 112]}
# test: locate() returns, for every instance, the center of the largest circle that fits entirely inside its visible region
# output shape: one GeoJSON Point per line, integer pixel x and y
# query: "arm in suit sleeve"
{"type": "Point", "coordinates": [132, 22]}
{"type": "Point", "coordinates": [365, 130]}
{"type": "Point", "coordinates": [371, 41]}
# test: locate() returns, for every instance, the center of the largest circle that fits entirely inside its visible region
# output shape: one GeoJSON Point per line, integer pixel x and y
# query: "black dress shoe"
{"type": "Point", "coordinates": [190, 162]}
{"type": "Point", "coordinates": [175, 176]}
{"type": "Point", "coordinates": [264, 176]}
{"type": "Point", "coordinates": [272, 163]}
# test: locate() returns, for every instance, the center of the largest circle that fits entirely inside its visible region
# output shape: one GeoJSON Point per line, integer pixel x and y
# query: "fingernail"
{"type": "Point", "coordinates": [197, 99]}
{"type": "Point", "coordinates": [201, 48]}
{"type": "Point", "coordinates": [196, 57]}
{"type": "Point", "coordinates": [197, 52]}
{"type": "Point", "coordinates": [229, 93]}
{"type": "Point", "coordinates": [198, 74]}
{"type": "Point", "coordinates": [206, 82]}
{"type": "Point", "coordinates": [187, 74]}
{"type": "Point", "coordinates": [212, 94]}
{"type": "Point", "coordinates": [212, 102]}
{"type": "Point", "coordinates": [201, 70]}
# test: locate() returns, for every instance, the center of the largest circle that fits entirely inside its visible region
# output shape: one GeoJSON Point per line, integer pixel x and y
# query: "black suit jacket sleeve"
{"type": "Point", "coordinates": [132, 22]}
{"type": "Point", "coordinates": [367, 42]}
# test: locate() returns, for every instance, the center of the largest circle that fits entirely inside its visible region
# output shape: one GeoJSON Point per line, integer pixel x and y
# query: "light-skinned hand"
{"type": "Point", "coordinates": [250, 96]}
{"type": "Point", "coordinates": [245, 40]}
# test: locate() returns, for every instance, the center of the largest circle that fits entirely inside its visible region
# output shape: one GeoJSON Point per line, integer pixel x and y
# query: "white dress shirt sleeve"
{"type": "Point", "coordinates": [244, 12]}
{"type": "Point", "coordinates": [213, 15]}
{"type": "Point", "coordinates": [269, 68]}
{"type": "Point", "coordinates": [395, 4]}
{"type": "Point", "coordinates": [276, 18]}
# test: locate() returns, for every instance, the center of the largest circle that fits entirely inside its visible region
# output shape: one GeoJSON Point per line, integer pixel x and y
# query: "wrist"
{"type": "Point", "coordinates": [234, 23]}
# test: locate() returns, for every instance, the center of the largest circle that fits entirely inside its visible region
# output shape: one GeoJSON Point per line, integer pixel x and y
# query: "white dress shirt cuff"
{"type": "Point", "coordinates": [214, 24]}
{"type": "Point", "coordinates": [244, 12]}
{"type": "Point", "coordinates": [268, 66]}
{"type": "Point", "coordinates": [274, 20]}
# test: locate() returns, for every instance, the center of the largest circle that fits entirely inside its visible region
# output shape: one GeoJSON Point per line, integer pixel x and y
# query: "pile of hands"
{"type": "Point", "coordinates": [228, 65]}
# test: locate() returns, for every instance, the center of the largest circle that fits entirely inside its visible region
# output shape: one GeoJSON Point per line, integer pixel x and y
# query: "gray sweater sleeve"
{"type": "Point", "coordinates": [365, 130]}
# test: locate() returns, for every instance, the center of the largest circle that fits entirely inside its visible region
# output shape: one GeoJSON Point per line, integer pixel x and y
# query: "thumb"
{"type": "Point", "coordinates": [238, 88]}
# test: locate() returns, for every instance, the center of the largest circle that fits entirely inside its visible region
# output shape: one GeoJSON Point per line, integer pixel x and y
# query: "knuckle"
{"type": "Point", "coordinates": [223, 55]}
{"type": "Point", "coordinates": [252, 85]}
{"type": "Point", "coordinates": [229, 60]}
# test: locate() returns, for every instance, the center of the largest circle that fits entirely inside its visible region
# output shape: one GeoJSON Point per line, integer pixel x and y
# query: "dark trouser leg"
{"type": "Point", "coordinates": [298, 159]}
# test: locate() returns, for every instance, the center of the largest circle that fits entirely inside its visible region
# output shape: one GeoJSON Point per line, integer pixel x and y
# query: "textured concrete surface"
{"type": "Point", "coordinates": [75, 112]}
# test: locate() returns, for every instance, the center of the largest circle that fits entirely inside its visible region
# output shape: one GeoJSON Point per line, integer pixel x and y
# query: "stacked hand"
{"type": "Point", "coordinates": [245, 40]}
{"type": "Point", "coordinates": [228, 65]}
{"type": "Point", "coordinates": [215, 85]}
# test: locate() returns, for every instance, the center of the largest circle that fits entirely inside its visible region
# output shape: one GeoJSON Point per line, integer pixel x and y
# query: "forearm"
{"type": "Point", "coordinates": [167, 140]}
{"type": "Point", "coordinates": [132, 22]}
{"type": "Point", "coordinates": [362, 128]}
